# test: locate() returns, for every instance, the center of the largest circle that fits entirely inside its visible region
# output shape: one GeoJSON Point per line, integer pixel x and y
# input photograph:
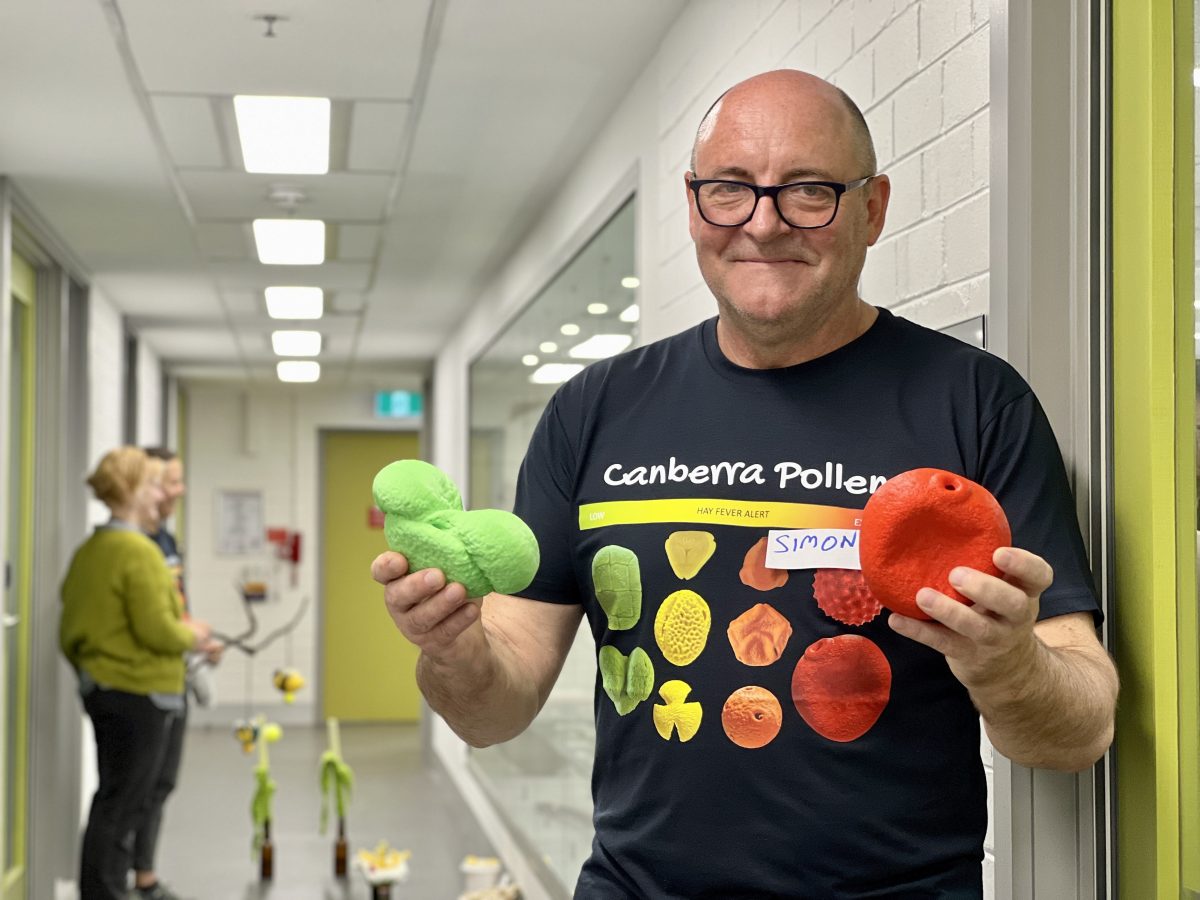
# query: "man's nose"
{"type": "Point", "coordinates": [766, 223]}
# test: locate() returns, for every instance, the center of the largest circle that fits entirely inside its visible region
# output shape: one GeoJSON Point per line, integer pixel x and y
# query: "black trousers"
{"type": "Point", "coordinates": [145, 840]}
{"type": "Point", "coordinates": [131, 737]}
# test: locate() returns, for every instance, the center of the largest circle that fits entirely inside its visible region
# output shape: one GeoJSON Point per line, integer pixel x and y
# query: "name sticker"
{"type": "Point", "coordinates": [813, 548]}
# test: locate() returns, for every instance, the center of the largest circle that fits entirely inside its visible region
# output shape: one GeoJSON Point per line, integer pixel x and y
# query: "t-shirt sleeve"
{"type": "Point", "coordinates": [1020, 463]}
{"type": "Point", "coordinates": [544, 501]}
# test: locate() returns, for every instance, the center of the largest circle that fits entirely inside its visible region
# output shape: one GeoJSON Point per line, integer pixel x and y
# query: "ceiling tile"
{"type": "Point", "coordinates": [376, 130]}
{"type": "Point", "coordinates": [190, 131]}
{"type": "Point", "coordinates": [217, 47]}
{"type": "Point", "coordinates": [333, 275]}
{"type": "Point", "coordinates": [357, 241]}
{"type": "Point", "coordinates": [224, 240]}
{"type": "Point", "coordinates": [345, 301]}
{"type": "Point", "coordinates": [241, 195]}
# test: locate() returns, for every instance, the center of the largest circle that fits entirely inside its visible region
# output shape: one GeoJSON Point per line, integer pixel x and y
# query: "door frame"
{"type": "Point", "coordinates": [1154, 486]}
{"type": "Point", "coordinates": [416, 428]}
{"type": "Point", "coordinates": [1050, 317]}
{"type": "Point", "coordinates": [61, 422]}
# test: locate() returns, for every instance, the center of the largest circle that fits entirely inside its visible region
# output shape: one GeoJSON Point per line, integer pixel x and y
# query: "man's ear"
{"type": "Point", "coordinates": [880, 192]}
{"type": "Point", "coordinates": [693, 213]}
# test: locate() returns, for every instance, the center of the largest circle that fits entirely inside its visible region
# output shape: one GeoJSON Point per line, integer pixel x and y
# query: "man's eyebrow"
{"type": "Point", "coordinates": [740, 174]}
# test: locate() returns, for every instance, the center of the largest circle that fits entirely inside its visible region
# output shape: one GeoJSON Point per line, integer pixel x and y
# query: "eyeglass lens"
{"type": "Point", "coordinates": [802, 205]}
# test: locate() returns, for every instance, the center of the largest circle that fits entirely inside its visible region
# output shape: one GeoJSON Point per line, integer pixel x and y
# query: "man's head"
{"type": "Point", "coordinates": [770, 278]}
{"type": "Point", "coordinates": [172, 479]}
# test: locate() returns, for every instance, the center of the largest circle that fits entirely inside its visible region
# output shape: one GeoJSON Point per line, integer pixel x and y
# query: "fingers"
{"type": "Point", "coordinates": [428, 611]}
{"type": "Point", "coordinates": [388, 566]}
{"type": "Point", "coordinates": [1027, 570]}
{"type": "Point", "coordinates": [932, 634]}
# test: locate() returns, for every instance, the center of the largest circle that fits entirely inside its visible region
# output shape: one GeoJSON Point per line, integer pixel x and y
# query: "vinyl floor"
{"type": "Point", "coordinates": [205, 849]}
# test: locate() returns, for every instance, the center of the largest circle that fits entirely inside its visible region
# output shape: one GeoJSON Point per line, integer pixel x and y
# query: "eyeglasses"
{"type": "Point", "coordinates": [801, 204]}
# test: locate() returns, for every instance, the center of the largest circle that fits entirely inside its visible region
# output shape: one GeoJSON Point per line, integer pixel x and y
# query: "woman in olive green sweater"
{"type": "Point", "coordinates": [124, 633]}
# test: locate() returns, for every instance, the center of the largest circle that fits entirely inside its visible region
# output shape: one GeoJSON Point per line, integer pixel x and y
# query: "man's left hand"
{"type": "Point", "coordinates": [994, 639]}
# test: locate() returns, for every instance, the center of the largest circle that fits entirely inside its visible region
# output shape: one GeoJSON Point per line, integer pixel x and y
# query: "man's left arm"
{"type": "Point", "coordinates": [1047, 690]}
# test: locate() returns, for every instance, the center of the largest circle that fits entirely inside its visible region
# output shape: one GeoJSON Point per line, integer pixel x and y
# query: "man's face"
{"type": "Point", "coordinates": [172, 488]}
{"type": "Point", "coordinates": [147, 502]}
{"type": "Point", "coordinates": [764, 273]}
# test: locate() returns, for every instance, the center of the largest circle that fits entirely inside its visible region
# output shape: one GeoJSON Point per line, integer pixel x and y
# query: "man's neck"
{"type": "Point", "coordinates": [754, 351]}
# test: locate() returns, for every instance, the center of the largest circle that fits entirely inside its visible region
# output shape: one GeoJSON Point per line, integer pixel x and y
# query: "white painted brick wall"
{"type": "Point", "coordinates": [149, 398]}
{"type": "Point", "coordinates": [106, 412]}
{"type": "Point", "coordinates": [919, 71]}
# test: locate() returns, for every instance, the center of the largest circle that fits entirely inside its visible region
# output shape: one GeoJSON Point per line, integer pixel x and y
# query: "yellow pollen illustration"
{"type": "Point", "coordinates": [674, 714]}
{"type": "Point", "coordinates": [681, 627]}
{"type": "Point", "coordinates": [688, 551]}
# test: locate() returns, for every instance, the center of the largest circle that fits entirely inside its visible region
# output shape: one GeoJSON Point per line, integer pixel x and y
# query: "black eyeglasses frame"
{"type": "Point", "coordinates": [772, 191]}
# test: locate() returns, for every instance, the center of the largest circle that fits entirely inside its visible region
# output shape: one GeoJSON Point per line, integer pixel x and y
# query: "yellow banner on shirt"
{"type": "Point", "coordinates": [716, 512]}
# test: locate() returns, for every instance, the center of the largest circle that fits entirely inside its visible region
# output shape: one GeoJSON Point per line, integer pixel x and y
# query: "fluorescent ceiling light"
{"type": "Point", "coordinates": [295, 302]}
{"type": "Point", "coordinates": [599, 346]}
{"type": "Point", "coordinates": [630, 281]}
{"type": "Point", "coordinates": [529, 360]}
{"type": "Point", "coordinates": [290, 242]}
{"type": "Point", "coordinates": [570, 330]}
{"type": "Point", "coordinates": [298, 370]}
{"type": "Point", "coordinates": [554, 373]}
{"type": "Point", "coordinates": [283, 135]}
{"type": "Point", "coordinates": [296, 343]}
{"type": "Point", "coordinates": [548, 347]}
{"type": "Point", "coordinates": [597, 309]}
{"type": "Point", "coordinates": [630, 314]}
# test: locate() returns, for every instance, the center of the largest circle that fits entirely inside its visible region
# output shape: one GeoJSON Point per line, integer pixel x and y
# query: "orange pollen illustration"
{"type": "Point", "coordinates": [752, 717]}
{"type": "Point", "coordinates": [842, 594]}
{"type": "Point", "coordinates": [841, 686]}
{"type": "Point", "coordinates": [755, 573]}
{"type": "Point", "coordinates": [759, 635]}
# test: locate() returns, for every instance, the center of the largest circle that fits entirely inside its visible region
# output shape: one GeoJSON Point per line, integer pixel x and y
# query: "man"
{"type": "Point", "coordinates": [849, 765]}
{"type": "Point", "coordinates": [146, 883]}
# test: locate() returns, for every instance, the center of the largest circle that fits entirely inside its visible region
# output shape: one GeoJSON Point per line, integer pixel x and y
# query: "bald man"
{"type": "Point", "coordinates": [751, 742]}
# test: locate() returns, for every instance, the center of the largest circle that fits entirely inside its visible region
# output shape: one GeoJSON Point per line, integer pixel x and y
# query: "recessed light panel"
{"type": "Point", "coordinates": [630, 313]}
{"type": "Point", "coordinates": [298, 370]}
{"type": "Point", "coordinates": [295, 302]}
{"type": "Point", "coordinates": [283, 135]}
{"type": "Point", "coordinates": [290, 242]}
{"type": "Point", "coordinates": [296, 343]}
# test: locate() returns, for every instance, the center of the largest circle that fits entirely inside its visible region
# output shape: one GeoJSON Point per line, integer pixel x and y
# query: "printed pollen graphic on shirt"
{"type": "Point", "coordinates": [834, 707]}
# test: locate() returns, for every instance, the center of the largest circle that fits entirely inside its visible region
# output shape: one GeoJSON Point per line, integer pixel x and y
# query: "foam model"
{"type": "Point", "coordinates": [484, 550]}
{"type": "Point", "coordinates": [921, 524]}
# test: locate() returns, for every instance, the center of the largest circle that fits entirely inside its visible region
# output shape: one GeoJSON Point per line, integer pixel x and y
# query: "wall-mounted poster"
{"type": "Point", "coordinates": [239, 522]}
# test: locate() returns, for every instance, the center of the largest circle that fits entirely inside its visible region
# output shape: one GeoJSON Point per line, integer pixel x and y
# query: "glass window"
{"type": "Point", "coordinates": [541, 781]}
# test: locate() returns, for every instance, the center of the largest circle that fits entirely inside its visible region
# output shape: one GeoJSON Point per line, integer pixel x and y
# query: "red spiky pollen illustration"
{"type": "Point", "coordinates": [842, 594]}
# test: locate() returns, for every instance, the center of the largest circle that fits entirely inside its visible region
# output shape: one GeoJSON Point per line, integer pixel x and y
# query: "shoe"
{"type": "Point", "coordinates": [157, 891]}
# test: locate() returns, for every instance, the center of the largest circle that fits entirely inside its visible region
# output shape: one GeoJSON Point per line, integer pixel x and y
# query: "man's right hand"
{"type": "Point", "coordinates": [428, 611]}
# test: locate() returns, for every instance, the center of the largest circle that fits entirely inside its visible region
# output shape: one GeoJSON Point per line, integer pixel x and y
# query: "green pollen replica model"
{"type": "Point", "coordinates": [484, 550]}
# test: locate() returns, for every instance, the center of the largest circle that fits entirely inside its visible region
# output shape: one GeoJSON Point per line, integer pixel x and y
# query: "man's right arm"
{"type": "Point", "coordinates": [486, 669]}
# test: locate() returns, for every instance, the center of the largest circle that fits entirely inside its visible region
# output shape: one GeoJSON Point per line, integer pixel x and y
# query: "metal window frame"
{"type": "Point", "coordinates": [1049, 94]}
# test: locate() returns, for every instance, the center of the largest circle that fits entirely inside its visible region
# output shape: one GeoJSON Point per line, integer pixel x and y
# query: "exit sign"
{"type": "Point", "coordinates": [397, 404]}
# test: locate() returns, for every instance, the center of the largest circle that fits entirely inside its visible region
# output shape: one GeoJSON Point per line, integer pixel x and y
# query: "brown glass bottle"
{"type": "Point", "coordinates": [267, 854]}
{"type": "Point", "coordinates": [339, 851]}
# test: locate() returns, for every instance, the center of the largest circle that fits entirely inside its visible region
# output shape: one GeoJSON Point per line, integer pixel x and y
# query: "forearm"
{"type": "Point", "coordinates": [481, 693]}
{"type": "Point", "coordinates": [1054, 713]}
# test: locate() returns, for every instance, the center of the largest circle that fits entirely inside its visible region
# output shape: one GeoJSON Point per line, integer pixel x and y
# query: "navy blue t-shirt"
{"type": "Point", "coordinates": [812, 768]}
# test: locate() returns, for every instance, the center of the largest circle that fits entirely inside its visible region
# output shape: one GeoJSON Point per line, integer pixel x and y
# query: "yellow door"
{"type": "Point", "coordinates": [369, 667]}
{"type": "Point", "coordinates": [18, 584]}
